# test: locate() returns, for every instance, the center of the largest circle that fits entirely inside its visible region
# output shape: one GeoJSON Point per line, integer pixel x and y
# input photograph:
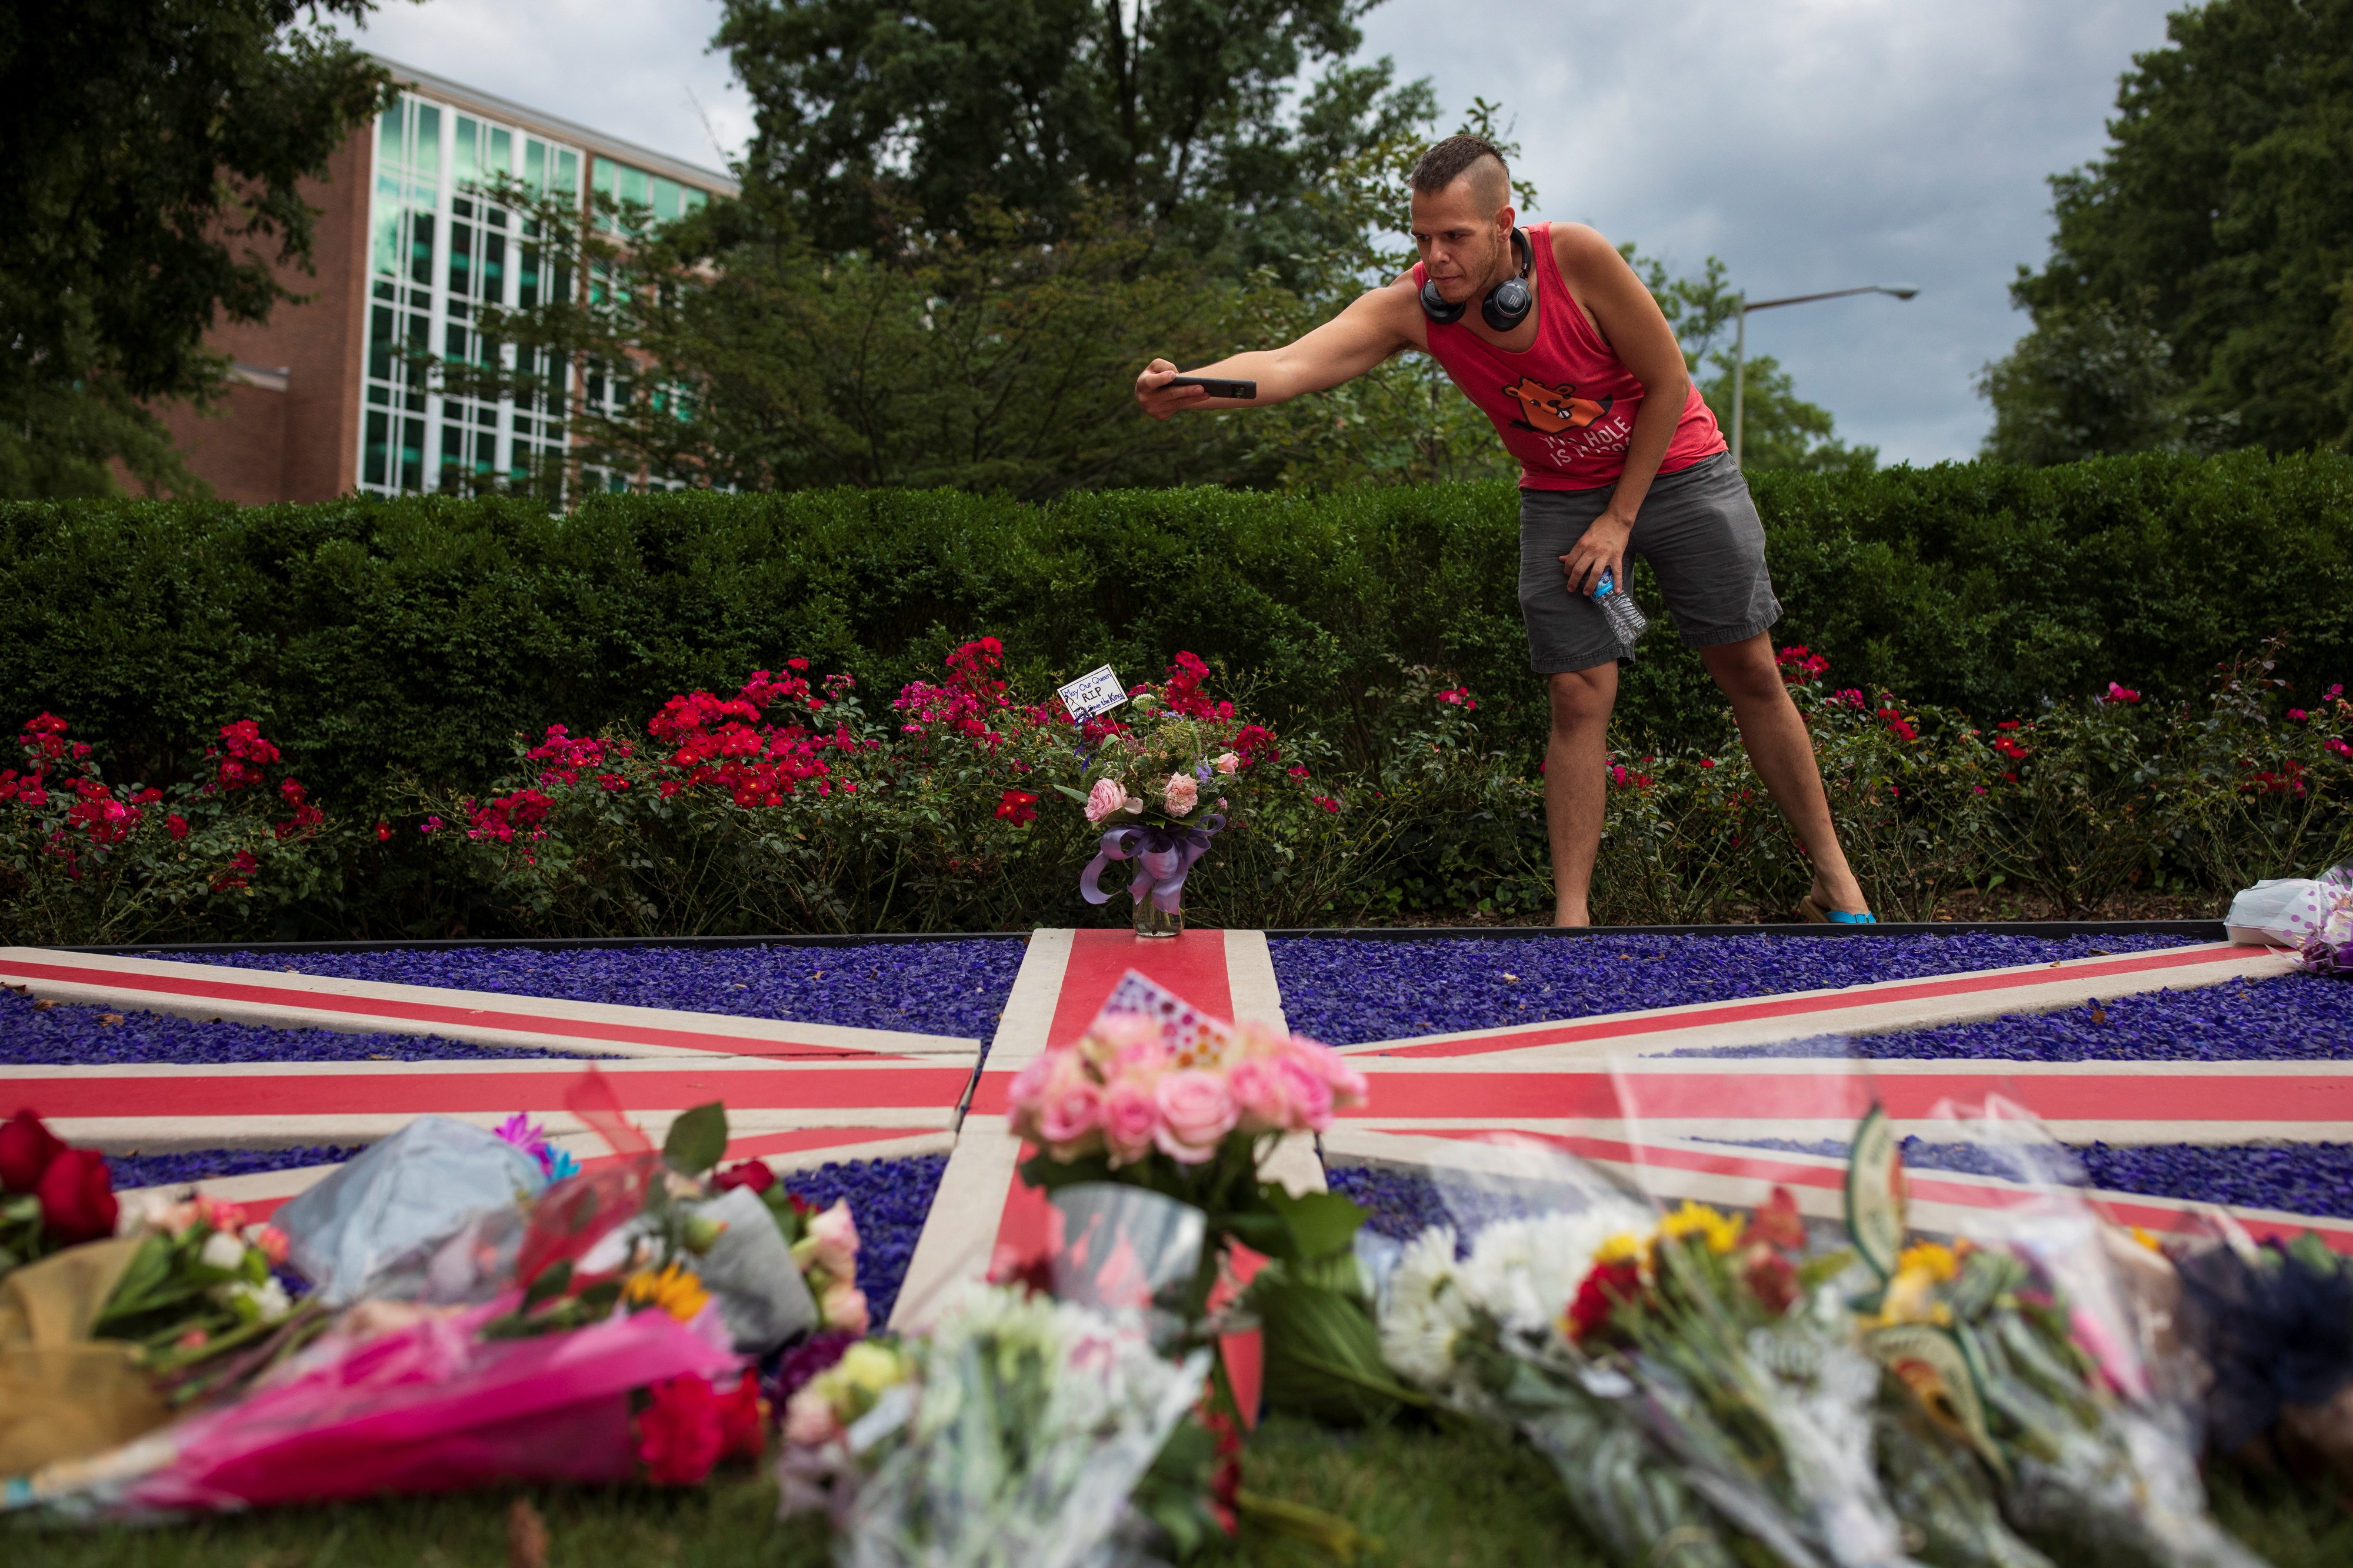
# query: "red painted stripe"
{"type": "Point", "coordinates": [1507, 1097]}
{"type": "Point", "coordinates": [126, 1093]}
{"type": "Point", "coordinates": [1193, 965]}
{"type": "Point", "coordinates": [1707, 1012]}
{"type": "Point", "coordinates": [128, 982]}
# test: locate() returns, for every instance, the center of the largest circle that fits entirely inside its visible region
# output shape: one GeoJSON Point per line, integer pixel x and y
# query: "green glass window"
{"type": "Point", "coordinates": [426, 158]}
{"type": "Point", "coordinates": [501, 163]}
{"type": "Point", "coordinates": [567, 173]}
{"type": "Point", "coordinates": [603, 173]}
{"type": "Point", "coordinates": [381, 343]}
{"type": "Point", "coordinates": [387, 258]}
{"type": "Point", "coordinates": [461, 259]}
{"type": "Point", "coordinates": [420, 247]}
{"type": "Point", "coordinates": [465, 152]}
{"type": "Point", "coordinates": [494, 268]}
{"type": "Point", "coordinates": [371, 469]}
{"type": "Point", "coordinates": [696, 200]}
{"type": "Point", "coordinates": [666, 199]}
{"type": "Point", "coordinates": [389, 149]}
{"type": "Point", "coordinates": [635, 184]}
{"type": "Point", "coordinates": [412, 454]}
{"type": "Point", "coordinates": [534, 165]}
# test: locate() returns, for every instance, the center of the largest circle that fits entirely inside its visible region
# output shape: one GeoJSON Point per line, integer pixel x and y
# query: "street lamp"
{"type": "Point", "coordinates": [1740, 340]}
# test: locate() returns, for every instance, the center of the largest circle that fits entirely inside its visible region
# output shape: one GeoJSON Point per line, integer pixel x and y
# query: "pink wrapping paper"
{"type": "Point", "coordinates": [430, 1408]}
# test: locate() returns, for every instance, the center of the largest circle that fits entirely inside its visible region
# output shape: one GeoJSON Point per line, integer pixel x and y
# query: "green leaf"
{"type": "Point", "coordinates": [552, 1281]}
{"type": "Point", "coordinates": [1321, 1223]}
{"type": "Point", "coordinates": [1074, 794]}
{"type": "Point", "coordinates": [698, 1139]}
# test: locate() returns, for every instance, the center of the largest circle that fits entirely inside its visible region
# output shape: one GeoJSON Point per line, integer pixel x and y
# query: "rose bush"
{"type": "Point", "coordinates": [790, 806]}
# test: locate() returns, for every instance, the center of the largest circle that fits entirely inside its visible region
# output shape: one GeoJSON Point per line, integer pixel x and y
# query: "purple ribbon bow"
{"type": "Point", "coordinates": [1163, 856]}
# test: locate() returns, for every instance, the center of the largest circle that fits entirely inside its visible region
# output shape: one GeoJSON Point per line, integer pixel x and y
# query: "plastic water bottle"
{"type": "Point", "coordinates": [1626, 618]}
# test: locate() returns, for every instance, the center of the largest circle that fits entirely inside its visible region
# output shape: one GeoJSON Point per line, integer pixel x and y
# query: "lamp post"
{"type": "Point", "coordinates": [1740, 340]}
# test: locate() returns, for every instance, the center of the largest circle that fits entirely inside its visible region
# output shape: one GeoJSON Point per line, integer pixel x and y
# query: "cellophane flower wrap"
{"type": "Point", "coordinates": [1697, 1394]}
{"type": "Point", "coordinates": [2060, 1381]}
{"type": "Point", "coordinates": [1012, 1432]}
{"type": "Point", "coordinates": [1159, 1094]}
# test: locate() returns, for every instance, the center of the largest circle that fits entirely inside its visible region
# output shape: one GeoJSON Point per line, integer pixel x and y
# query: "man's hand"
{"type": "Point", "coordinates": [1157, 398]}
{"type": "Point", "coordinates": [1601, 546]}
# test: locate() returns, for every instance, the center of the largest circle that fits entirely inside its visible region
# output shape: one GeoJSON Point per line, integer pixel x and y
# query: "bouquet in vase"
{"type": "Point", "coordinates": [1159, 785]}
{"type": "Point", "coordinates": [1161, 1096]}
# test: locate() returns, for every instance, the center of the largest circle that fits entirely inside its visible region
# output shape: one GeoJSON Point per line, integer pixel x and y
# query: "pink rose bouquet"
{"type": "Point", "coordinates": [1124, 1092]}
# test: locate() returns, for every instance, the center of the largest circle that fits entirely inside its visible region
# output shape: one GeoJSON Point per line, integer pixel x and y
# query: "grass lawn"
{"type": "Point", "coordinates": [1431, 1500]}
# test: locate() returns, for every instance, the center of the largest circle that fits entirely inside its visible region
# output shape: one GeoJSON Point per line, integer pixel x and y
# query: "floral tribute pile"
{"type": "Point", "coordinates": [1745, 1390]}
{"type": "Point", "coordinates": [387, 1331]}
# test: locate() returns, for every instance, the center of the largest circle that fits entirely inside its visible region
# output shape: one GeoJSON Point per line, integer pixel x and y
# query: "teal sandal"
{"type": "Point", "coordinates": [1816, 914]}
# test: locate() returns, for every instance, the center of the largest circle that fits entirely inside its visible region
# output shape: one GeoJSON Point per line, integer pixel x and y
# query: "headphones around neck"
{"type": "Point", "coordinates": [1506, 304]}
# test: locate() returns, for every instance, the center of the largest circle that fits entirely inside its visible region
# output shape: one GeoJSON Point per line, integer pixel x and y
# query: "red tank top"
{"type": "Point", "coordinates": [1565, 406]}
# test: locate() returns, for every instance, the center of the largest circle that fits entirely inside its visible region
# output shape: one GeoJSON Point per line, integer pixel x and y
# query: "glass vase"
{"type": "Point", "coordinates": [1152, 920]}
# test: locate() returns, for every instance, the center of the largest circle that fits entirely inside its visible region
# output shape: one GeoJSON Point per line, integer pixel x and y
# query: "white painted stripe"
{"type": "Point", "coordinates": [115, 981]}
{"type": "Point", "coordinates": [1250, 981]}
{"type": "Point", "coordinates": [959, 1234]}
{"type": "Point", "coordinates": [1028, 1014]}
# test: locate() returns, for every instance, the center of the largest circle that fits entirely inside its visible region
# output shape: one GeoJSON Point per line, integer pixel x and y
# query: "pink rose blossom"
{"type": "Point", "coordinates": [1181, 794]}
{"type": "Point", "coordinates": [835, 1238]}
{"type": "Point", "coordinates": [808, 1418]}
{"type": "Point", "coordinates": [1310, 1095]}
{"type": "Point", "coordinates": [1196, 1111]}
{"type": "Point", "coordinates": [1116, 1034]}
{"type": "Point", "coordinates": [844, 1307]}
{"type": "Point", "coordinates": [1259, 1094]}
{"type": "Point", "coordinates": [1027, 1091]}
{"type": "Point", "coordinates": [1227, 762]}
{"type": "Point", "coordinates": [1105, 798]}
{"type": "Point", "coordinates": [1131, 1116]}
{"type": "Point", "coordinates": [1073, 1110]}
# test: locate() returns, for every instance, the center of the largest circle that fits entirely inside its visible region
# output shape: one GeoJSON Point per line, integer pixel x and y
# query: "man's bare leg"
{"type": "Point", "coordinates": [1575, 761]}
{"type": "Point", "coordinates": [1775, 735]}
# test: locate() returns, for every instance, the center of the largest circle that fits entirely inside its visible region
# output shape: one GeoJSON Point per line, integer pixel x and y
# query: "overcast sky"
{"type": "Point", "coordinates": [1811, 143]}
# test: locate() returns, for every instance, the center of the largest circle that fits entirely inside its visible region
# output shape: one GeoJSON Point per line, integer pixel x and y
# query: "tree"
{"type": "Point", "coordinates": [884, 119]}
{"type": "Point", "coordinates": [2090, 380]}
{"type": "Point", "coordinates": [1778, 428]}
{"type": "Point", "coordinates": [726, 349]}
{"type": "Point", "coordinates": [149, 156]}
{"type": "Point", "coordinates": [2220, 219]}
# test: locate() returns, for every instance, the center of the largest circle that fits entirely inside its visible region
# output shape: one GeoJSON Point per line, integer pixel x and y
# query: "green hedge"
{"type": "Point", "coordinates": [417, 636]}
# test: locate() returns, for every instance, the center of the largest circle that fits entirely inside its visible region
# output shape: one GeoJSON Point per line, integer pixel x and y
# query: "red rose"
{"type": "Point", "coordinates": [27, 1147]}
{"type": "Point", "coordinates": [743, 1420]}
{"type": "Point", "coordinates": [678, 1435]}
{"type": "Point", "coordinates": [76, 1194]}
{"type": "Point", "coordinates": [1597, 1298]}
{"type": "Point", "coordinates": [752, 1173]}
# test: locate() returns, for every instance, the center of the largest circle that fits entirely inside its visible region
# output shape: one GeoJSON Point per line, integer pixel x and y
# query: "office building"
{"type": "Point", "coordinates": [326, 399]}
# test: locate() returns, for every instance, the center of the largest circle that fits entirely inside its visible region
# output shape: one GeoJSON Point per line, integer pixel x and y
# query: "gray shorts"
{"type": "Point", "coordinates": [1699, 532]}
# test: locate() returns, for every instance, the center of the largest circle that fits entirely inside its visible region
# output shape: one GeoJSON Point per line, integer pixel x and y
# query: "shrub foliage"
{"type": "Point", "coordinates": [402, 653]}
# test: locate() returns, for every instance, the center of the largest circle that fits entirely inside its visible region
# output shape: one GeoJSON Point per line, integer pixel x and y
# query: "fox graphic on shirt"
{"type": "Point", "coordinates": [1552, 410]}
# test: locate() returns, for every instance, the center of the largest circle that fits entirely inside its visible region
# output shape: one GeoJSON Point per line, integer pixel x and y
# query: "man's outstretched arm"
{"type": "Point", "coordinates": [1376, 325]}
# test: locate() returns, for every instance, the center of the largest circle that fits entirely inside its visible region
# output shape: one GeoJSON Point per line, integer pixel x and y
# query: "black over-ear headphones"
{"type": "Point", "coordinates": [1506, 304]}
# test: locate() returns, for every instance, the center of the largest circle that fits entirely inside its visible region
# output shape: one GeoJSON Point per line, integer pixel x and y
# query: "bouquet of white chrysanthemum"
{"type": "Point", "coordinates": [1013, 1432]}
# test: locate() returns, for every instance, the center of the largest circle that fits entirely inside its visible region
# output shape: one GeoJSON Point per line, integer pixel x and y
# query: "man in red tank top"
{"type": "Point", "coordinates": [1548, 330]}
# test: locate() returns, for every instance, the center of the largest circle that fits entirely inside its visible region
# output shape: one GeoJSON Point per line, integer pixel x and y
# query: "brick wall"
{"type": "Point", "coordinates": [301, 444]}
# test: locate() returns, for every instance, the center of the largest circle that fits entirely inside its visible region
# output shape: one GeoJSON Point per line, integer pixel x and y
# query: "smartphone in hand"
{"type": "Point", "coordinates": [1216, 387]}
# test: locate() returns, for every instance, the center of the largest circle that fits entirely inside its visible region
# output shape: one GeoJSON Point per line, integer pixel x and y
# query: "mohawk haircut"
{"type": "Point", "coordinates": [1462, 154]}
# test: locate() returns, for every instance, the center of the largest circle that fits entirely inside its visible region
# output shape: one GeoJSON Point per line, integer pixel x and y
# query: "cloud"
{"type": "Point", "coordinates": [633, 71]}
{"type": "Point", "coordinates": [1811, 143]}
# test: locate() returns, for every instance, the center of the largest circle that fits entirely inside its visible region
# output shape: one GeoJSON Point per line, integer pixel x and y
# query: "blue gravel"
{"type": "Point", "coordinates": [1353, 991]}
{"type": "Point", "coordinates": [31, 1034]}
{"type": "Point", "coordinates": [889, 1199]}
{"type": "Point", "coordinates": [956, 988]}
{"type": "Point", "coordinates": [210, 1164]}
{"type": "Point", "coordinates": [1396, 1203]}
{"type": "Point", "coordinates": [2288, 1017]}
{"type": "Point", "coordinates": [2299, 1178]}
